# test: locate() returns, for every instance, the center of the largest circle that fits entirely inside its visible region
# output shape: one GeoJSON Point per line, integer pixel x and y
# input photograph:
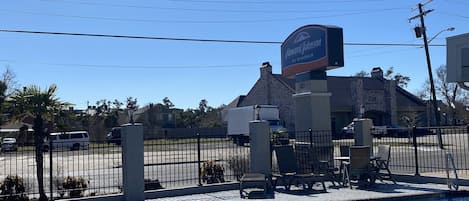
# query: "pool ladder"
{"type": "Point", "coordinates": [453, 183]}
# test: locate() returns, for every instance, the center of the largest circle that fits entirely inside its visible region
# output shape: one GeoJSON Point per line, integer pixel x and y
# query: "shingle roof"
{"type": "Point", "coordinates": [340, 87]}
{"type": "Point", "coordinates": [235, 103]}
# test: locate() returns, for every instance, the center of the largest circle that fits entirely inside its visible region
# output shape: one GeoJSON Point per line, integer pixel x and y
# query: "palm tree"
{"type": "Point", "coordinates": [42, 106]}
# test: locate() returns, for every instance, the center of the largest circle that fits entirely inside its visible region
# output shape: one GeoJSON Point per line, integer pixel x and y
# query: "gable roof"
{"type": "Point", "coordinates": [410, 96]}
{"type": "Point", "coordinates": [235, 103]}
{"type": "Point", "coordinates": [288, 82]}
{"type": "Point", "coordinates": [340, 87]}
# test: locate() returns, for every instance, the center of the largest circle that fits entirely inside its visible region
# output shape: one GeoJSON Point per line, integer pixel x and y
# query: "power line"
{"type": "Point", "coordinates": [270, 2]}
{"type": "Point", "coordinates": [212, 10]}
{"type": "Point", "coordinates": [196, 21]}
{"type": "Point", "coordinates": [119, 66]}
{"type": "Point", "coordinates": [192, 39]}
{"type": "Point", "coordinates": [454, 15]}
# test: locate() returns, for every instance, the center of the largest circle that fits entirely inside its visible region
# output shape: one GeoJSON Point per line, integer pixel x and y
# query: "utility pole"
{"type": "Point", "coordinates": [422, 31]}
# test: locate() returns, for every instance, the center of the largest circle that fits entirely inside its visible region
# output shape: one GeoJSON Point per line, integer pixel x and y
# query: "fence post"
{"type": "Point", "coordinates": [198, 159]}
{"type": "Point", "coordinates": [414, 137]}
{"type": "Point", "coordinates": [50, 172]}
{"type": "Point", "coordinates": [133, 162]}
{"type": "Point", "coordinates": [310, 138]}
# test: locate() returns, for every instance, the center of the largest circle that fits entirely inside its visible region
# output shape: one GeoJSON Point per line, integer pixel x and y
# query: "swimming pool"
{"type": "Point", "coordinates": [447, 196]}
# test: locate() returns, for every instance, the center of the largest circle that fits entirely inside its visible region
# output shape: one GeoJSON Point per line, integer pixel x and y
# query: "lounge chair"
{"type": "Point", "coordinates": [288, 170]}
{"type": "Point", "coordinates": [359, 167]}
{"type": "Point", "coordinates": [382, 163]}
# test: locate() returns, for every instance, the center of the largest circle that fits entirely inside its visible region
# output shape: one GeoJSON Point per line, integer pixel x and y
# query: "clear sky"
{"type": "Point", "coordinates": [92, 68]}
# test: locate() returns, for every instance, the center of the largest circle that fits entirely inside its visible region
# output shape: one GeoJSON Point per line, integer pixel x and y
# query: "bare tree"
{"type": "Point", "coordinates": [450, 93]}
{"type": "Point", "coordinates": [9, 79]}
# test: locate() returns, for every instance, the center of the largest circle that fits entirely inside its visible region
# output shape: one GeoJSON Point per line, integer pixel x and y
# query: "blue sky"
{"type": "Point", "coordinates": [87, 69]}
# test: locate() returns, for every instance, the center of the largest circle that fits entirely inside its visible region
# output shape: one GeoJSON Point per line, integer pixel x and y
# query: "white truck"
{"type": "Point", "coordinates": [238, 122]}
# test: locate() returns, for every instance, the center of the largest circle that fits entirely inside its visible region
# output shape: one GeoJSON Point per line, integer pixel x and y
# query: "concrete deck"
{"type": "Point", "coordinates": [407, 186]}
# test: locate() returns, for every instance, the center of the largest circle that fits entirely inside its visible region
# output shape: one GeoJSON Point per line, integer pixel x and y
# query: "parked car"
{"type": "Point", "coordinates": [397, 131]}
{"type": "Point", "coordinates": [74, 140]}
{"type": "Point", "coordinates": [348, 131]}
{"type": "Point", "coordinates": [114, 136]}
{"type": "Point", "coordinates": [9, 144]}
{"type": "Point", "coordinates": [421, 131]}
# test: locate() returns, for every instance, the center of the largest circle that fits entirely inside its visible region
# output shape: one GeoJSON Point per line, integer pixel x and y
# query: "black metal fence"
{"type": "Point", "coordinates": [421, 150]}
{"type": "Point", "coordinates": [177, 161]}
{"type": "Point", "coordinates": [200, 160]}
{"type": "Point", "coordinates": [99, 165]}
{"type": "Point", "coordinates": [91, 170]}
{"type": "Point", "coordinates": [96, 169]}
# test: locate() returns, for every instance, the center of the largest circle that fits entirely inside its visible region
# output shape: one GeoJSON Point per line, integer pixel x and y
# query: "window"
{"type": "Point", "coordinates": [64, 136]}
{"type": "Point", "coordinates": [465, 57]}
{"type": "Point", "coordinates": [76, 135]}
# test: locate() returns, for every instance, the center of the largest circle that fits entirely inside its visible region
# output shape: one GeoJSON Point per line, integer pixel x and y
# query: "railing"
{"type": "Point", "coordinates": [99, 164]}
{"type": "Point", "coordinates": [176, 161]}
{"type": "Point", "coordinates": [413, 150]}
{"type": "Point", "coordinates": [179, 162]}
{"type": "Point", "coordinates": [450, 166]}
{"type": "Point", "coordinates": [96, 169]}
{"type": "Point", "coordinates": [91, 170]}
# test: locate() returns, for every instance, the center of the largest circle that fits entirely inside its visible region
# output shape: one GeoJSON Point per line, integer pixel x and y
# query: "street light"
{"type": "Point", "coordinates": [448, 29]}
{"type": "Point", "coordinates": [418, 29]}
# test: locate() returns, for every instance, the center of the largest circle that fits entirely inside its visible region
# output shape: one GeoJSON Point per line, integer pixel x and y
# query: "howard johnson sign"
{"type": "Point", "coordinates": [312, 47]}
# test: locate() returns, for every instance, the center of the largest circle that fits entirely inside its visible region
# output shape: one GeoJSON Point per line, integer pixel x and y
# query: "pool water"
{"type": "Point", "coordinates": [449, 196]}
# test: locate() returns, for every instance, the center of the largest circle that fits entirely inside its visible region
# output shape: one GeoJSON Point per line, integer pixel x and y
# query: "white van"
{"type": "Point", "coordinates": [74, 140]}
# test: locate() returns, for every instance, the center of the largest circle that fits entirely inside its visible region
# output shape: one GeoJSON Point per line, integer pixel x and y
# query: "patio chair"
{"type": "Point", "coordinates": [382, 163]}
{"type": "Point", "coordinates": [288, 170]}
{"type": "Point", "coordinates": [359, 167]}
{"type": "Point", "coordinates": [249, 180]}
{"type": "Point", "coordinates": [324, 167]}
{"type": "Point", "coordinates": [344, 150]}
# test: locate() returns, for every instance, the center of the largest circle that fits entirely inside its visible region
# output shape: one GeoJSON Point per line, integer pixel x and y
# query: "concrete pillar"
{"type": "Point", "coordinates": [313, 111]}
{"type": "Point", "coordinates": [132, 162]}
{"type": "Point", "coordinates": [312, 103]}
{"type": "Point", "coordinates": [259, 134]}
{"type": "Point", "coordinates": [362, 129]}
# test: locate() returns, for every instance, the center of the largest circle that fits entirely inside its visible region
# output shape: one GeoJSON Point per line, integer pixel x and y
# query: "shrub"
{"type": "Point", "coordinates": [13, 188]}
{"type": "Point", "coordinates": [75, 185]}
{"type": "Point", "coordinates": [239, 165]}
{"type": "Point", "coordinates": [212, 172]}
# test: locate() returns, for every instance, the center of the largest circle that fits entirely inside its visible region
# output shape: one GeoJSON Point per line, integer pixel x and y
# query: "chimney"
{"type": "Point", "coordinates": [266, 69]}
{"type": "Point", "coordinates": [377, 72]}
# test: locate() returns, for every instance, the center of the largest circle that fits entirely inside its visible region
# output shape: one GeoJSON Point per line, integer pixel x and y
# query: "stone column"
{"type": "Point", "coordinates": [259, 134]}
{"type": "Point", "coordinates": [133, 162]}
